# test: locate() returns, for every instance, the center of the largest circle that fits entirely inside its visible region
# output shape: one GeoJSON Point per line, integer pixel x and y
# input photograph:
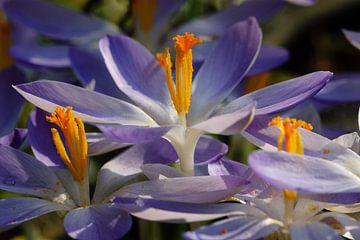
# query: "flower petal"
{"type": "Point", "coordinates": [209, 149]}
{"type": "Point", "coordinates": [179, 212]}
{"type": "Point", "coordinates": [350, 140]}
{"type": "Point", "coordinates": [107, 221]}
{"type": "Point", "coordinates": [137, 73]}
{"type": "Point", "coordinates": [283, 95]}
{"type": "Point", "coordinates": [224, 68]}
{"type": "Point", "coordinates": [157, 171]}
{"type": "Point", "coordinates": [99, 144]}
{"type": "Point", "coordinates": [301, 173]}
{"type": "Point", "coordinates": [134, 134]}
{"type": "Point", "coordinates": [14, 211]}
{"type": "Point", "coordinates": [54, 57]}
{"type": "Point", "coordinates": [228, 123]}
{"type": "Point", "coordinates": [22, 173]}
{"type": "Point", "coordinates": [10, 102]}
{"type": "Point", "coordinates": [269, 57]}
{"type": "Point", "coordinates": [341, 89]}
{"type": "Point", "coordinates": [127, 166]}
{"type": "Point", "coordinates": [89, 66]}
{"type": "Point", "coordinates": [202, 189]}
{"type": "Point", "coordinates": [56, 21]}
{"type": "Point", "coordinates": [90, 106]}
{"type": "Point", "coordinates": [218, 23]}
{"type": "Point", "coordinates": [16, 139]}
{"type": "Point", "coordinates": [242, 227]}
{"type": "Point", "coordinates": [348, 223]}
{"type": "Point", "coordinates": [312, 231]}
{"type": "Point", "coordinates": [353, 37]}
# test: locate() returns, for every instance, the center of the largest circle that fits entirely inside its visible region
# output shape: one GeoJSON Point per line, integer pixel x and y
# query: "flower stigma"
{"type": "Point", "coordinates": [74, 134]}
{"type": "Point", "coordinates": [180, 92]}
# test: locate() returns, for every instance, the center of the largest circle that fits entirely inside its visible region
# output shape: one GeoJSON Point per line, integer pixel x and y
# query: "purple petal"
{"type": "Point", "coordinates": [89, 66]}
{"type": "Point", "coordinates": [52, 57]}
{"type": "Point", "coordinates": [353, 37]}
{"type": "Point", "coordinates": [269, 57]}
{"type": "Point", "coordinates": [341, 89]}
{"type": "Point", "coordinates": [283, 95]}
{"type": "Point", "coordinates": [224, 68]}
{"type": "Point", "coordinates": [218, 23]}
{"type": "Point", "coordinates": [90, 106]}
{"type": "Point", "coordinates": [56, 21]}
{"type": "Point", "coordinates": [22, 173]}
{"type": "Point", "coordinates": [41, 141]}
{"type": "Point", "coordinates": [134, 134]}
{"type": "Point", "coordinates": [16, 139]}
{"type": "Point", "coordinates": [301, 173]}
{"type": "Point", "coordinates": [179, 212]}
{"type": "Point", "coordinates": [10, 102]}
{"type": "Point", "coordinates": [99, 144]}
{"type": "Point", "coordinates": [157, 171]}
{"type": "Point", "coordinates": [137, 73]}
{"type": "Point", "coordinates": [107, 221]}
{"type": "Point", "coordinates": [14, 211]}
{"type": "Point", "coordinates": [242, 227]}
{"type": "Point", "coordinates": [228, 123]}
{"type": "Point", "coordinates": [127, 166]}
{"type": "Point", "coordinates": [208, 150]}
{"type": "Point", "coordinates": [203, 189]}
{"type": "Point", "coordinates": [313, 231]}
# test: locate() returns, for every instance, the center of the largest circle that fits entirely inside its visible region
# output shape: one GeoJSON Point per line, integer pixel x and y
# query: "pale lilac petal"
{"type": "Point", "coordinates": [90, 106]}
{"type": "Point", "coordinates": [127, 166]}
{"type": "Point", "coordinates": [209, 149]}
{"type": "Point", "coordinates": [22, 173]}
{"type": "Point", "coordinates": [14, 211]}
{"type": "Point", "coordinates": [179, 212]}
{"type": "Point", "coordinates": [10, 102]}
{"type": "Point", "coordinates": [99, 144]}
{"type": "Point", "coordinates": [282, 95]}
{"type": "Point", "coordinates": [269, 57]}
{"type": "Point", "coordinates": [349, 224]}
{"type": "Point", "coordinates": [16, 139]}
{"type": "Point", "coordinates": [157, 171]}
{"type": "Point", "coordinates": [353, 37]}
{"type": "Point", "coordinates": [223, 69]}
{"type": "Point", "coordinates": [54, 57]}
{"type": "Point", "coordinates": [57, 21]}
{"type": "Point", "coordinates": [218, 23]}
{"type": "Point", "coordinates": [350, 140]}
{"type": "Point", "coordinates": [138, 74]}
{"type": "Point", "coordinates": [241, 227]}
{"type": "Point", "coordinates": [228, 123]}
{"type": "Point", "coordinates": [134, 134]}
{"type": "Point", "coordinates": [341, 89]}
{"type": "Point", "coordinates": [89, 66]}
{"type": "Point", "coordinates": [301, 173]}
{"type": "Point", "coordinates": [107, 221]}
{"type": "Point", "coordinates": [313, 231]}
{"type": "Point", "coordinates": [202, 189]}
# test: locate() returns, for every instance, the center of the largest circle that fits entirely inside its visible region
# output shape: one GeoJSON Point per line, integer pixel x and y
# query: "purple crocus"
{"type": "Point", "coordinates": [58, 181]}
{"type": "Point", "coordinates": [151, 113]}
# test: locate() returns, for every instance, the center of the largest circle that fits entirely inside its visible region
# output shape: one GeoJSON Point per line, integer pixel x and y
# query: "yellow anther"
{"type": "Point", "coordinates": [5, 43]}
{"type": "Point", "coordinates": [290, 195]}
{"type": "Point", "coordinates": [181, 92]}
{"type": "Point", "coordinates": [74, 134]}
{"type": "Point", "coordinates": [144, 12]}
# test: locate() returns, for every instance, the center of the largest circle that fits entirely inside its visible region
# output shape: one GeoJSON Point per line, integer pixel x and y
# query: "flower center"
{"type": "Point", "coordinates": [75, 139]}
{"type": "Point", "coordinates": [144, 12]}
{"type": "Point", "coordinates": [5, 43]}
{"type": "Point", "coordinates": [181, 92]}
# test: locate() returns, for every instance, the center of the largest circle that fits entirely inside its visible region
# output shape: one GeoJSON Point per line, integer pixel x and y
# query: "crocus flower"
{"type": "Point", "coordinates": [61, 183]}
{"type": "Point", "coordinates": [140, 77]}
{"type": "Point", "coordinates": [294, 180]}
